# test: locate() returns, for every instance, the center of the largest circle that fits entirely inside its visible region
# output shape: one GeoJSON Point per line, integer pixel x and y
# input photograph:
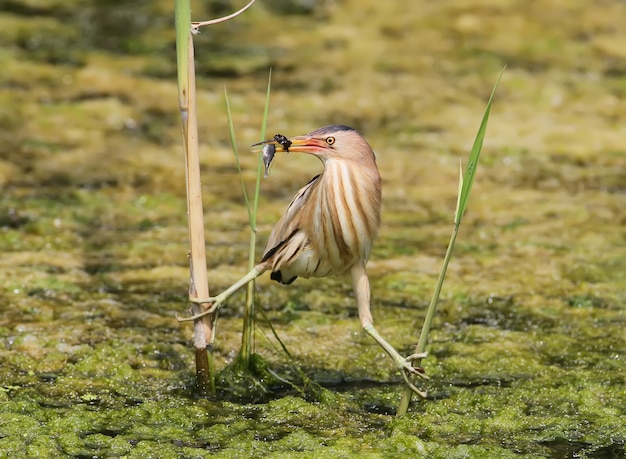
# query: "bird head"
{"type": "Point", "coordinates": [334, 142]}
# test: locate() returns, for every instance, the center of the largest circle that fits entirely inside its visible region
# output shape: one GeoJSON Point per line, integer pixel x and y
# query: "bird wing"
{"type": "Point", "coordinates": [289, 224]}
{"type": "Point", "coordinates": [287, 239]}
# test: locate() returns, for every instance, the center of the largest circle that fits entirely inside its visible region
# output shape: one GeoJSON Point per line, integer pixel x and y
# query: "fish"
{"type": "Point", "coordinates": [269, 150]}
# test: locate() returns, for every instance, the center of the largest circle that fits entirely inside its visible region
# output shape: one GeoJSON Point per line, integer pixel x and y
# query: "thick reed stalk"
{"type": "Point", "coordinates": [204, 328]}
{"type": "Point", "coordinates": [203, 335]}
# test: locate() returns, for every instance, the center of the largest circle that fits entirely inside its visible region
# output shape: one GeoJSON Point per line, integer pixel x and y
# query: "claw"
{"type": "Point", "coordinates": [407, 370]}
{"type": "Point", "coordinates": [414, 371]}
{"type": "Point", "coordinates": [210, 299]}
{"type": "Point", "coordinates": [417, 356]}
{"type": "Point", "coordinates": [214, 307]}
{"type": "Point", "coordinates": [421, 393]}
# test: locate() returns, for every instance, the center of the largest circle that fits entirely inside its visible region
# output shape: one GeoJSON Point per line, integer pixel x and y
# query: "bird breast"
{"type": "Point", "coordinates": [329, 225]}
{"type": "Point", "coordinates": [344, 215]}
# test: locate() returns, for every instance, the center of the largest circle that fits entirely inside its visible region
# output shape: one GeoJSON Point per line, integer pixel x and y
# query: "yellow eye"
{"type": "Point", "coordinates": [330, 140]}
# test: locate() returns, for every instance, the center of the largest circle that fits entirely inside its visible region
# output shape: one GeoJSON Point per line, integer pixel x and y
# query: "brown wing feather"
{"type": "Point", "coordinates": [287, 239]}
{"type": "Point", "coordinates": [289, 223]}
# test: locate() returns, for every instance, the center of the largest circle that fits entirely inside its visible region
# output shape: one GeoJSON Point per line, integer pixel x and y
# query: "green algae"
{"type": "Point", "coordinates": [528, 352]}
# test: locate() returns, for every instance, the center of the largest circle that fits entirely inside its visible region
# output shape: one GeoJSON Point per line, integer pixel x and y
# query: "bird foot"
{"type": "Point", "coordinates": [408, 369]}
{"type": "Point", "coordinates": [211, 300]}
{"type": "Point", "coordinates": [408, 366]}
{"type": "Point", "coordinates": [215, 304]}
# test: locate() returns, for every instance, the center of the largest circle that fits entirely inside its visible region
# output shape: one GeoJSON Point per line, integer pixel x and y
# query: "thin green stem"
{"type": "Point", "coordinates": [465, 188]}
{"type": "Point", "coordinates": [233, 144]}
{"type": "Point", "coordinates": [430, 314]}
{"type": "Point", "coordinates": [247, 338]}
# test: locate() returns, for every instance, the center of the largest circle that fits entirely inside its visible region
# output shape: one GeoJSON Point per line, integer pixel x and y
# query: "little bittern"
{"type": "Point", "coordinates": [330, 225]}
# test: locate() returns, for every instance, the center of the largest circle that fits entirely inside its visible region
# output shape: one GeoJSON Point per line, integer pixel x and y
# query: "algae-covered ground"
{"type": "Point", "coordinates": [528, 349]}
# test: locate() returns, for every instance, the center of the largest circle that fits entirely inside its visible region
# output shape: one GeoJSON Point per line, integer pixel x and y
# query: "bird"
{"type": "Point", "coordinates": [329, 227]}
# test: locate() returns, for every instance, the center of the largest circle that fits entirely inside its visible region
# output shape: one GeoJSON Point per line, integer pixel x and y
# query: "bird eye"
{"type": "Point", "coordinates": [330, 140]}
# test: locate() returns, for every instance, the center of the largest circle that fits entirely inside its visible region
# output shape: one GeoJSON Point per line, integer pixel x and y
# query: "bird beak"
{"type": "Point", "coordinates": [265, 142]}
{"type": "Point", "coordinates": [299, 144]}
{"type": "Point", "coordinates": [306, 144]}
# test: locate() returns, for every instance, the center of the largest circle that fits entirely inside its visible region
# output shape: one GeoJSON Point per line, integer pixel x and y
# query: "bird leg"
{"type": "Point", "coordinates": [361, 286]}
{"type": "Point", "coordinates": [217, 301]}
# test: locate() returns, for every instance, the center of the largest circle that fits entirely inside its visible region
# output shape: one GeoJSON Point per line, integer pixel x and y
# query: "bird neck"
{"type": "Point", "coordinates": [361, 176]}
{"type": "Point", "coordinates": [355, 190]}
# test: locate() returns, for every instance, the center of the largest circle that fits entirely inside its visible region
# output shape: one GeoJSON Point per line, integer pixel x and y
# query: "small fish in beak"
{"type": "Point", "coordinates": [269, 150]}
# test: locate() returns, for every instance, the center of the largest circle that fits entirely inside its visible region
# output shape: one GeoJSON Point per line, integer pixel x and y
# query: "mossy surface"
{"type": "Point", "coordinates": [528, 350]}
